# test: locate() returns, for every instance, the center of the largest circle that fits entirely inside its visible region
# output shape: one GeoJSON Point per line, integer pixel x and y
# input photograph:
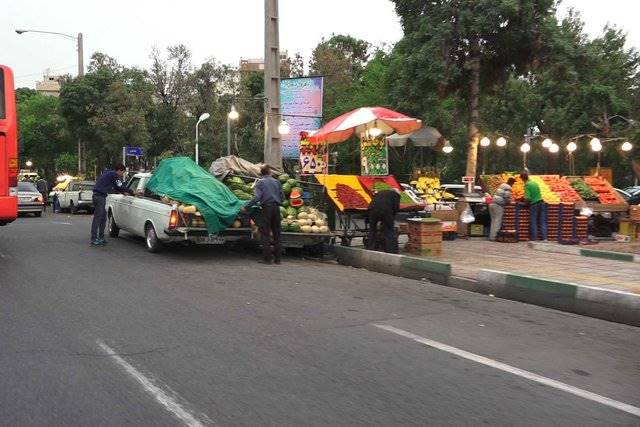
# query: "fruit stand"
{"type": "Point", "coordinates": [598, 194]}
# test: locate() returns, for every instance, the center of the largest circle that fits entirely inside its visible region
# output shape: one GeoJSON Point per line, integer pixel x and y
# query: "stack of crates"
{"type": "Point", "coordinates": [509, 218]}
{"type": "Point", "coordinates": [567, 226]}
{"type": "Point", "coordinates": [582, 227]}
{"type": "Point", "coordinates": [522, 223]}
{"type": "Point", "coordinates": [553, 221]}
{"type": "Point", "coordinates": [425, 237]}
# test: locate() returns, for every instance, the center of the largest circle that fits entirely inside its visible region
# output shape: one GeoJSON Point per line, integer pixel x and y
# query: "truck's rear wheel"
{"type": "Point", "coordinates": [114, 231]}
{"type": "Point", "coordinates": [151, 239]}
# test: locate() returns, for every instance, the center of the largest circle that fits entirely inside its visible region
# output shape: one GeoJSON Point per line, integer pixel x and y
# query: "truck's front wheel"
{"type": "Point", "coordinates": [113, 227]}
{"type": "Point", "coordinates": [151, 239]}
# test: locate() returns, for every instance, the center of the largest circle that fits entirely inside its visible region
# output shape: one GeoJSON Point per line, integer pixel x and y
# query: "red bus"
{"type": "Point", "coordinates": [8, 148]}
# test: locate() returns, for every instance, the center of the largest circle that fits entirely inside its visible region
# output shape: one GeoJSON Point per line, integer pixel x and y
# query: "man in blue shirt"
{"type": "Point", "coordinates": [110, 181]}
{"type": "Point", "coordinates": [268, 193]}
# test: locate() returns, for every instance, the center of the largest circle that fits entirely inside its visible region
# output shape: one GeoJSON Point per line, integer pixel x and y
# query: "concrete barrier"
{"type": "Point", "coordinates": [576, 250]}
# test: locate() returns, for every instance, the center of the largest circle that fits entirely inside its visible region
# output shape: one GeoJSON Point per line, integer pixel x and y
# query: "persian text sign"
{"type": "Point", "coordinates": [301, 107]}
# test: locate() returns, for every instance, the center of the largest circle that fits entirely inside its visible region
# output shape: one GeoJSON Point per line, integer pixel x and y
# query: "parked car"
{"type": "Point", "coordinates": [631, 197]}
{"type": "Point", "coordinates": [77, 196]}
{"type": "Point", "coordinates": [29, 199]}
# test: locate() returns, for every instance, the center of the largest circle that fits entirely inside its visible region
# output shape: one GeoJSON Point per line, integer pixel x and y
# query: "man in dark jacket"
{"type": "Point", "coordinates": [110, 181]}
{"type": "Point", "coordinates": [382, 210]}
{"type": "Point", "coordinates": [269, 195]}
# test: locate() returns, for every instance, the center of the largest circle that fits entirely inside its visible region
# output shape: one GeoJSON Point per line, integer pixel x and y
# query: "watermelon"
{"type": "Point", "coordinates": [294, 228]}
{"type": "Point", "coordinates": [286, 188]}
{"type": "Point", "coordinates": [236, 179]}
{"type": "Point", "coordinates": [304, 209]}
{"type": "Point", "coordinates": [296, 203]}
{"type": "Point", "coordinates": [293, 212]}
{"type": "Point", "coordinates": [284, 226]}
{"type": "Point", "coordinates": [284, 178]}
{"type": "Point", "coordinates": [247, 188]}
{"type": "Point", "coordinates": [292, 182]}
{"type": "Point", "coordinates": [285, 204]}
{"type": "Point", "coordinates": [283, 212]}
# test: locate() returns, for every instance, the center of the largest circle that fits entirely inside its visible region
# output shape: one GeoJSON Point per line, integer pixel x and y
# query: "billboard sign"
{"type": "Point", "coordinates": [301, 107]}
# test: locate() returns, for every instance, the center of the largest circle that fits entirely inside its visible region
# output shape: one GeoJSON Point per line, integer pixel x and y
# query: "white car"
{"type": "Point", "coordinates": [145, 215]}
{"type": "Point", "coordinates": [77, 196]}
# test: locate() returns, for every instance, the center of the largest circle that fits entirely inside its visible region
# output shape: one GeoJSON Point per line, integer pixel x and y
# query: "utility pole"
{"type": "Point", "coordinates": [81, 163]}
{"type": "Point", "coordinates": [272, 143]}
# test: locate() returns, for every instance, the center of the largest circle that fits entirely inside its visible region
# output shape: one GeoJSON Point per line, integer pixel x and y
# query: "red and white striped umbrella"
{"type": "Point", "coordinates": [362, 120]}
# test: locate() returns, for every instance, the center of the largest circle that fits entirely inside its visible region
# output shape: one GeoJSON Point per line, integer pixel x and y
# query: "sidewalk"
{"type": "Point", "coordinates": [468, 257]}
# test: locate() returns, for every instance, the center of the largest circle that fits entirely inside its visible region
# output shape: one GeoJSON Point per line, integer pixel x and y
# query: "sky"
{"type": "Point", "coordinates": [226, 31]}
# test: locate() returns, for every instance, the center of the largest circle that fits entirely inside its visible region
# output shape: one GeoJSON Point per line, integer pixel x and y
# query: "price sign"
{"type": "Point", "coordinates": [468, 179]}
{"type": "Point", "coordinates": [374, 157]}
{"type": "Point", "coordinates": [314, 159]}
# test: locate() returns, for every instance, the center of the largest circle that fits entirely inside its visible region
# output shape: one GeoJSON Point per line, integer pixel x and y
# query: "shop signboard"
{"type": "Point", "coordinates": [301, 107]}
{"type": "Point", "coordinates": [374, 157]}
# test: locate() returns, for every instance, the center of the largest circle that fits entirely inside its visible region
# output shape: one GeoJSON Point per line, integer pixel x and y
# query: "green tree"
{"type": "Point", "coordinates": [455, 50]}
{"type": "Point", "coordinates": [41, 134]}
{"type": "Point", "coordinates": [67, 163]}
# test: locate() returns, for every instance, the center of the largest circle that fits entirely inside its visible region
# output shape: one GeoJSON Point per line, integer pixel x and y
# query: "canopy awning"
{"type": "Point", "coordinates": [424, 137]}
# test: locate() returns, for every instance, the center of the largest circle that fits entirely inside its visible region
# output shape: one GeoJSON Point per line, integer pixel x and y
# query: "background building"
{"type": "Point", "coordinates": [50, 85]}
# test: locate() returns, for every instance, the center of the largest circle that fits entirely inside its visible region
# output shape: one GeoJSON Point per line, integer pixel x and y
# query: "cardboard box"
{"type": "Point", "coordinates": [445, 215]}
{"type": "Point", "coordinates": [476, 230]}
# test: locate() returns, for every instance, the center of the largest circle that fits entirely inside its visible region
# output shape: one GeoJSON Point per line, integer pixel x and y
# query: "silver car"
{"type": "Point", "coordinates": [29, 199]}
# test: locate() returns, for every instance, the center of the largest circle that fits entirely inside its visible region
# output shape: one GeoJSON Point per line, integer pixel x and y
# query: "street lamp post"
{"type": "Point", "coordinates": [233, 115]}
{"type": "Point", "coordinates": [202, 118]}
{"type": "Point", "coordinates": [79, 41]}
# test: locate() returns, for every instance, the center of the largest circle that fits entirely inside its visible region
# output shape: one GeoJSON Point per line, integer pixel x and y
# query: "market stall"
{"type": "Point", "coordinates": [565, 198]}
{"type": "Point", "coordinates": [350, 195]}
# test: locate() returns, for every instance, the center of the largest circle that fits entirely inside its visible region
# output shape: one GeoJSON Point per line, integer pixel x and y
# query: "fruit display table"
{"type": "Point", "coordinates": [598, 194]}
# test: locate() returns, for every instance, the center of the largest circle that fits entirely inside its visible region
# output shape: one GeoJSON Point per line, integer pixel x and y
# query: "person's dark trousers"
{"type": "Point", "coordinates": [99, 217]}
{"type": "Point", "coordinates": [537, 222]}
{"type": "Point", "coordinates": [388, 233]}
{"type": "Point", "coordinates": [55, 203]}
{"type": "Point", "coordinates": [270, 224]}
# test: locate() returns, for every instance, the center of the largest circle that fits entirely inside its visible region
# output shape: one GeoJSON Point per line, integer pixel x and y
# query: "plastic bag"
{"type": "Point", "coordinates": [467, 216]}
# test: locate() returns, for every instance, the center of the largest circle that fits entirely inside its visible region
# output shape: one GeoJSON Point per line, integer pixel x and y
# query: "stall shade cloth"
{"type": "Point", "coordinates": [180, 179]}
{"type": "Point", "coordinates": [425, 137]}
{"type": "Point", "coordinates": [341, 128]}
{"type": "Point", "coordinates": [232, 165]}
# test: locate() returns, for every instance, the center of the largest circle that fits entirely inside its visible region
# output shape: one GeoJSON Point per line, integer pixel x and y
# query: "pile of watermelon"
{"type": "Point", "coordinates": [242, 189]}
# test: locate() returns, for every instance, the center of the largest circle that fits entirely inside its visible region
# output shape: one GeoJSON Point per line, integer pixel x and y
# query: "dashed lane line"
{"type": "Point", "coordinates": [625, 407]}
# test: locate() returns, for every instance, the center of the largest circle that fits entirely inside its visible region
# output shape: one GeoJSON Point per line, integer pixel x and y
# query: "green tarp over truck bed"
{"type": "Point", "coordinates": [181, 179]}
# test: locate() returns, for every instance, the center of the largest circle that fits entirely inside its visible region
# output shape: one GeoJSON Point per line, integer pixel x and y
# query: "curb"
{"type": "Point", "coordinates": [611, 305]}
{"type": "Point", "coordinates": [594, 253]}
{"type": "Point", "coordinates": [395, 265]}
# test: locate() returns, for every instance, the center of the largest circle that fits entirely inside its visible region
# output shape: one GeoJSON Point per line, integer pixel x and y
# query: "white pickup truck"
{"type": "Point", "coordinates": [77, 196]}
{"type": "Point", "coordinates": [158, 223]}
{"type": "Point", "coordinates": [145, 215]}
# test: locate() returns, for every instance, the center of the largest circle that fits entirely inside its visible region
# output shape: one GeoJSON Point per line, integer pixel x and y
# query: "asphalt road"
{"type": "Point", "coordinates": [118, 336]}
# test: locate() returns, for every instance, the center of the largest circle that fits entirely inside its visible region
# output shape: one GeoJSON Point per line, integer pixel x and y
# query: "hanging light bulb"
{"type": "Point", "coordinates": [448, 148]}
{"type": "Point", "coordinates": [501, 142]}
{"type": "Point", "coordinates": [485, 142]}
{"type": "Point", "coordinates": [554, 148]}
{"type": "Point", "coordinates": [233, 114]}
{"type": "Point", "coordinates": [626, 146]}
{"type": "Point", "coordinates": [571, 147]}
{"type": "Point", "coordinates": [596, 145]}
{"type": "Point", "coordinates": [525, 147]}
{"type": "Point", "coordinates": [284, 128]}
{"type": "Point", "coordinates": [375, 132]}
{"type": "Point", "coordinates": [547, 143]}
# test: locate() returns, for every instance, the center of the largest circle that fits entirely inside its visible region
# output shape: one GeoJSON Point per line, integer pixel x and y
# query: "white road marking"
{"type": "Point", "coordinates": [162, 393]}
{"type": "Point", "coordinates": [60, 223]}
{"type": "Point", "coordinates": [515, 371]}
